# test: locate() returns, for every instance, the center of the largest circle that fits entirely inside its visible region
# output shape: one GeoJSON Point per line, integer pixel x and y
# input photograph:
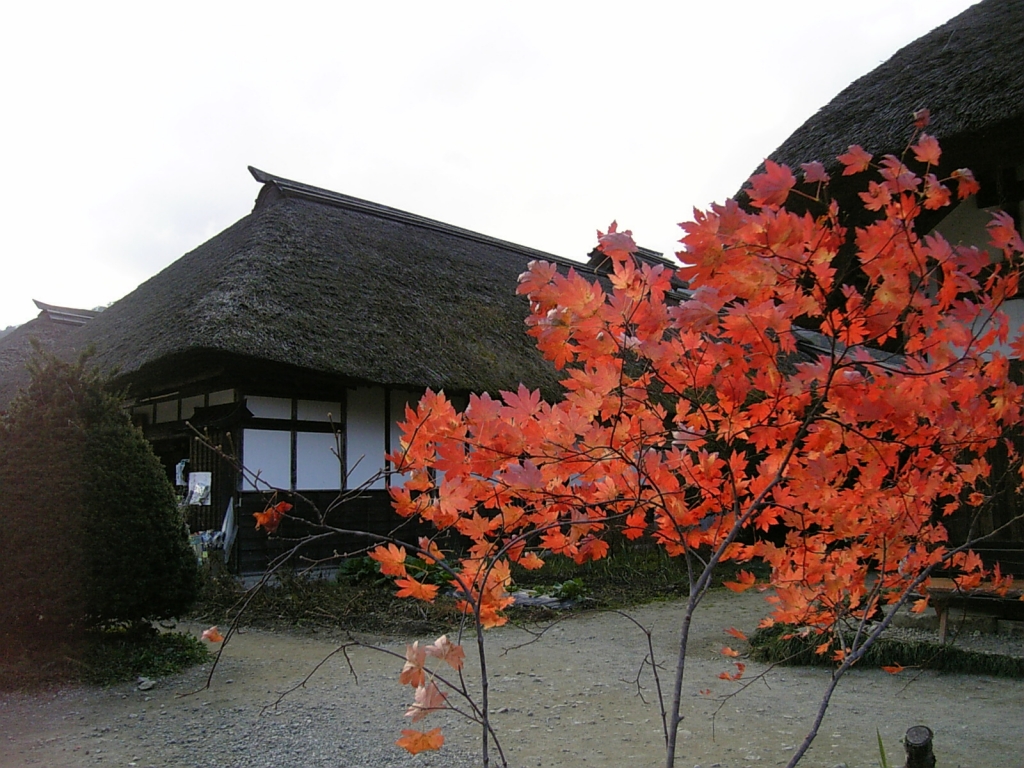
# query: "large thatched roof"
{"type": "Point", "coordinates": [329, 284]}
{"type": "Point", "coordinates": [969, 73]}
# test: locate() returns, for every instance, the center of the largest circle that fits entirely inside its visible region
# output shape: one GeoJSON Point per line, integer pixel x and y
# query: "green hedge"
{"type": "Point", "coordinates": [92, 535]}
{"type": "Point", "coordinates": [781, 644]}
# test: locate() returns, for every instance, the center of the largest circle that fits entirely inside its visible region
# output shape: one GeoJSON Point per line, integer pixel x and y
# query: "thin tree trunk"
{"type": "Point", "coordinates": [484, 716]}
{"type": "Point", "coordinates": [677, 689]}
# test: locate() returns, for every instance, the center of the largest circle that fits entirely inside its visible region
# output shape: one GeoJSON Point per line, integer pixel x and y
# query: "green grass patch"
{"type": "Point", "coordinates": [782, 644]}
{"type": "Point", "coordinates": [120, 654]}
{"type": "Point", "coordinates": [360, 599]}
{"type": "Point", "coordinates": [99, 657]}
{"type": "Point", "coordinates": [632, 574]}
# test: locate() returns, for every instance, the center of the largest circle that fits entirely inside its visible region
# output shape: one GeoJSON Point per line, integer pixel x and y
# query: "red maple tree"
{"type": "Point", "coordinates": [817, 398]}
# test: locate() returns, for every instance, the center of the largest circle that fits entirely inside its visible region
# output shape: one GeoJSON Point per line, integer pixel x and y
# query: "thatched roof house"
{"type": "Point", "coordinates": [324, 284]}
{"type": "Point", "coordinates": [969, 73]}
{"type": "Point", "coordinates": [295, 338]}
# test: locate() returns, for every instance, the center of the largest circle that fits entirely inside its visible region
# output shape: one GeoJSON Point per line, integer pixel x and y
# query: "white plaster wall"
{"type": "Point", "coordinates": [269, 407]}
{"type": "Point", "coordinates": [268, 452]}
{"type": "Point", "coordinates": [317, 467]}
{"type": "Point", "coordinates": [364, 436]}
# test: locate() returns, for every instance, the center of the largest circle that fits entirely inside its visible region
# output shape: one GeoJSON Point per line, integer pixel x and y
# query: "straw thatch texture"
{"type": "Point", "coordinates": [16, 348]}
{"type": "Point", "coordinates": [341, 287]}
{"type": "Point", "coordinates": [969, 73]}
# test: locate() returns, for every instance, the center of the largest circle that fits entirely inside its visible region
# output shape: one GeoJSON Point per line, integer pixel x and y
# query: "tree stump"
{"type": "Point", "coordinates": [918, 744]}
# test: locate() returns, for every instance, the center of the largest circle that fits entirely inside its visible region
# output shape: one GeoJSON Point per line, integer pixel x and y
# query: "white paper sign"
{"type": "Point", "coordinates": [199, 488]}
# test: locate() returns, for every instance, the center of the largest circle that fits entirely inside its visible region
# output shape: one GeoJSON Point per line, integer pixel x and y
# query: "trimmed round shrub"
{"type": "Point", "coordinates": [97, 537]}
{"type": "Point", "coordinates": [42, 527]}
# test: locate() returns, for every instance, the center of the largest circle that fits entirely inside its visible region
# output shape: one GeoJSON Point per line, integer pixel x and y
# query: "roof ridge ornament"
{"type": "Point", "coordinates": [296, 189]}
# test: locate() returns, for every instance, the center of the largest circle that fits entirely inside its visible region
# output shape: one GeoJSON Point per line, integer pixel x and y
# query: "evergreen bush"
{"type": "Point", "coordinates": [42, 546]}
{"type": "Point", "coordinates": [94, 535]}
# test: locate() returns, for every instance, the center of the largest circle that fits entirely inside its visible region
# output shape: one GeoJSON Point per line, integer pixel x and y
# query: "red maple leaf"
{"type": "Point", "coordinates": [855, 159]}
{"type": "Point", "coordinates": [927, 150]}
{"type": "Point", "coordinates": [771, 188]}
{"type": "Point", "coordinates": [966, 185]}
{"type": "Point", "coordinates": [814, 173]}
{"type": "Point", "coordinates": [615, 244]}
{"type": "Point", "coordinates": [1003, 234]}
{"type": "Point", "coordinates": [936, 194]}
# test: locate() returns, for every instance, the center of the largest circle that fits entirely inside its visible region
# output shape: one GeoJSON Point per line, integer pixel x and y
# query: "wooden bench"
{"type": "Point", "coordinates": [942, 593]}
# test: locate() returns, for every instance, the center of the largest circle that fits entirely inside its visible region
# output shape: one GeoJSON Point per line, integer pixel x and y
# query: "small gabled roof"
{"type": "Point", "coordinates": [969, 73]}
{"type": "Point", "coordinates": [65, 315]}
{"type": "Point", "coordinates": [318, 281]}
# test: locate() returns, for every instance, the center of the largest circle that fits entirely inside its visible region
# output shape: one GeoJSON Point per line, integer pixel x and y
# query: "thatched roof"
{"type": "Point", "coordinates": [969, 73]}
{"type": "Point", "coordinates": [49, 329]}
{"type": "Point", "coordinates": [328, 284]}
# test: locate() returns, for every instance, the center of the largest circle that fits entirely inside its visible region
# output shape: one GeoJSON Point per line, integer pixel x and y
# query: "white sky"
{"type": "Point", "coordinates": [127, 128]}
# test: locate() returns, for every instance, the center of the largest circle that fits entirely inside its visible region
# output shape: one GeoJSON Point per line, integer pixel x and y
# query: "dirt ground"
{"type": "Point", "coordinates": [569, 698]}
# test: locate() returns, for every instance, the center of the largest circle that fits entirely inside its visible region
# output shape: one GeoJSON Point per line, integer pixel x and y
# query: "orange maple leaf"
{"type": "Point", "coordinates": [740, 669]}
{"type": "Point", "coordinates": [591, 548]}
{"type": "Point", "coordinates": [213, 635]}
{"type": "Point", "coordinates": [530, 561]}
{"type": "Point", "coordinates": [433, 552]}
{"type": "Point", "coordinates": [409, 587]}
{"type": "Point", "coordinates": [391, 559]}
{"type": "Point", "coordinates": [895, 669]}
{"type": "Point", "coordinates": [428, 698]}
{"type": "Point", "coordinates": [413, 673]}
{"type": "Point", "coordinates": [727, 651]}
{"type": "Point", "coordinates": [447, 651]}
{"type": "Point", "coordinates": [745, 580]}
{"type": "Point", "coordinates": [415, 742]}
{"type": "Point", "coordinates": [476, 527]}
{"type": "Point", "coordinates": [735, 633]}
{"type": "Point", "coordinates": [270, 518]}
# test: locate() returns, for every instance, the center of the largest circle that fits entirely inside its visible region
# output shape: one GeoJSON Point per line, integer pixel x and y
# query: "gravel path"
{"type": "Point", "coordinates": [568, 699]}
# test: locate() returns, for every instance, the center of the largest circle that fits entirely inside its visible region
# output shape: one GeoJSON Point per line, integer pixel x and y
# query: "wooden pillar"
{"type": "Point", "coordinates": [918, 744]}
